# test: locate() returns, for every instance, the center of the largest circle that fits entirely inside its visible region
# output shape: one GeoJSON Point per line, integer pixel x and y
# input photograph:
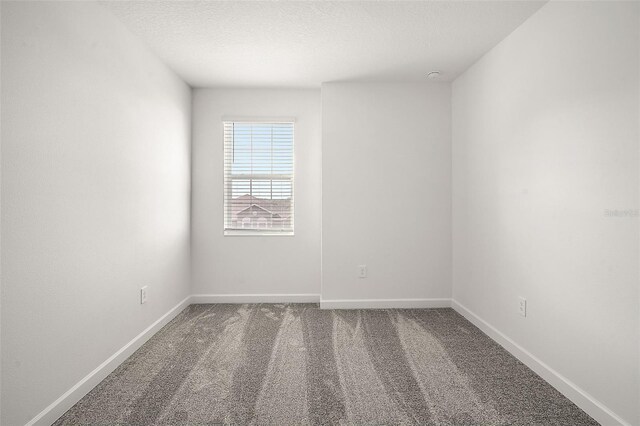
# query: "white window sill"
{"type": "Point", "coordinates": [254, 233]}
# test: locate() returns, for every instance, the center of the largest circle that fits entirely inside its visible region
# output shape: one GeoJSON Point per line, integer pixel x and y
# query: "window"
{"type": "Point", "coordinates": [258, 178]}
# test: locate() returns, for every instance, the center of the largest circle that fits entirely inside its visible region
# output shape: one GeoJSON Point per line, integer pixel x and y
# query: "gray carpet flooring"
{"type": "Point", "coordinates": [294, 364]}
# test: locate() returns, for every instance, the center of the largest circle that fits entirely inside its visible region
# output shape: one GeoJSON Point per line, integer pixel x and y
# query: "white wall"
{"type": "Point", "coordinates": [263, 264]}
{"type": "Point", "coordinates": [386, 153]}
{"type": "Point", "coordinates": [545, 140]}
{"type": "Point", "coordinates": [95, 185]}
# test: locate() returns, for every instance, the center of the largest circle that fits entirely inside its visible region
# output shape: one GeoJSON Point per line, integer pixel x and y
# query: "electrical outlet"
{"type": "Point", "coordinates": [522, 306]}
{"type": "Point", "coordinates": [362, 271]}
{"type": "Point", "coordinates": [143, 295]}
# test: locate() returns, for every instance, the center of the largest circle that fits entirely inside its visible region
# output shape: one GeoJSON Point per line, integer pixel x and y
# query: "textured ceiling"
{"type": "Point", "coordinates": [302, 44]}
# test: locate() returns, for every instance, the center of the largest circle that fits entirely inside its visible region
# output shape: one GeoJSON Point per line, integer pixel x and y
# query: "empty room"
{"type": "Point", "coordinates": [320, 213]}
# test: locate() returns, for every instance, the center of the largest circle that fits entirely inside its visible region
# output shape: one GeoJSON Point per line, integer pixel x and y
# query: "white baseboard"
{"type": "Point", "coordinates": [80, 389]}
{"type": "Point", "coordinates": [581, 398]}
{"type": "Point", "coordinates": [255, 298]}
{"type": "Point", "coordinates": [384, 303]}
{"type": "Point", "coordinates": [573, 392]}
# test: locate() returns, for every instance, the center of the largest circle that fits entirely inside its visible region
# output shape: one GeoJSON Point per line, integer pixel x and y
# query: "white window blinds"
{"type": "Point", "coordinates": [258, 177]}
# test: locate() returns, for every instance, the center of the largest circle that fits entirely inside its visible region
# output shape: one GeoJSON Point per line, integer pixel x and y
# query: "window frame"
{"type": "Point", "coordinates": [253, 232]}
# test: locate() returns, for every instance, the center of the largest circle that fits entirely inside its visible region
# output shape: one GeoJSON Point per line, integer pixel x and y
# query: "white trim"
{"type": "Point", "coordinates": [384, 303]}
{"type": "Point", "coordinates": [255, 298]}
{"type": "Point", "coordinates": [573, 392]}
{"type": "Point", "coordinates": [580, 397]}
{"type": "Point", "coordinates": [257, 119]}
{"type": "Point", "coordinates": [257, 233]}
{"type": "Point", "coordinates": [91, 380]}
